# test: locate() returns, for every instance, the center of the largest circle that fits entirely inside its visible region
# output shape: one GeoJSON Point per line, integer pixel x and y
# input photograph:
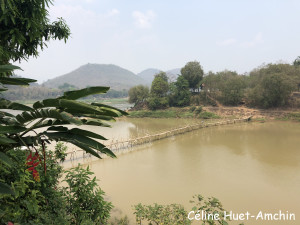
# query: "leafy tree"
{"type": "Point", "coordinates": [162, 75]}
{"type": "Point", "coordinates": [180, 94]}
{"type": "Point", "coordinates": [193, 73]}
{"type": "Point", "coordinates": [26, 28]}
{"type": "Point", "coordinates": [84, 198]}
{"type": "Point", "coordinates": [160, 85]}
{"type": "Point", "coordinates": [233, 90]}
{"type": "Point", "coordinates": [158, 93]}
{"type": "Point", "coordinates": [297, 61]}
{"type": "Point", "coordinates": [225, 86]}
{"type": "Point", "coordinates": [271, 85]}
{"type": "Point", "coordinates": [138, 94]}
{"type": "Point", "coordinates": [273, 91]}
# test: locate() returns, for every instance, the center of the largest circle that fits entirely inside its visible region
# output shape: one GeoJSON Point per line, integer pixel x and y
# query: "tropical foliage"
{"type": "Point", "coordinates": [174, 214]}
{"type": "Point", "coordinates": [78, 201]}
{"type": "Point", "coordinates": [26, 28]}
{"type": "Point", "coordinates": [177, 214]}
{"type": "Point", "coordinates": [44, 122]}
{"type": "Point", "coordinates": [33, 201]}
{"type": "Point", "coordinates": [85, 200]}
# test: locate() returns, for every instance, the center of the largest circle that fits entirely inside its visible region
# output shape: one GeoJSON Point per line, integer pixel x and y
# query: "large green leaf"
{"type": "Point", "coordinates": [72, 95]}
{"type": "Point", "coordinates": [47, 113]}
{"type": "Point", "coordinates": [8, 68]}
{"type": "Point", "coordinates": [6, 104]}
{"type": "Point", "coordinates": [65, 104]}
{"type": "Point", "coordinates": [5, 159]}
{"type": "Point", "coordinates": [86, 148]}
{"type": "Point", "coordinates": [9, 121]}
{"type": "Point", "coordinates": [110, 107]}
{"type": "Point", "coordinates": [15, 81]}
{"type": "Point", "coordinates": [86, 133]}
{"type": "Point", "coordinates": [93, 122]}
{"type": "Point", "coordinates": [101, 117]}
{"type": "Point", "coordinates": [11, 129]}
{"type": "Point", "coordinates": [76, 131]}
{"type": "Point", "coordinates": [71, 137]}
{"type": "Point", "coordinates": [108, 152]}
{"type": "Point", "coordinates": [3, 114]}
{"type": "Point", "coordinates": [6, 141]}
{"type": "Point", "coordinates": [5, 189]}
{"type": "Point", "coordinates": [70, 118]}
{"type": "Point", "coordinates": [58, 128]}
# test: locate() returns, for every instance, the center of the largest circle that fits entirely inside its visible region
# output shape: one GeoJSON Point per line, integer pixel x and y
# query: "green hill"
{"type": "Point", "coordinates": [109, 75]}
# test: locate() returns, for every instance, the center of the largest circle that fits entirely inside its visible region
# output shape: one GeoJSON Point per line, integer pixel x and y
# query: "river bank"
{"type": "Point", "coordinates": [219, 113]}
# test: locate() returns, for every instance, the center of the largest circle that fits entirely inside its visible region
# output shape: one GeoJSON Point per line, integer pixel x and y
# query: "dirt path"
{"type": "Point", "coordinates": [216, 101]}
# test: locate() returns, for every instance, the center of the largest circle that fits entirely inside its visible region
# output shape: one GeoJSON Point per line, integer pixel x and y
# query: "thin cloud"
{"type": "Point", "coordinates": [227, 42]}
{"type": "Point", "coordinates": [258, 39]}
{"type": "Point", "coordinates": [144, 20]}
{"type": "Point", "coordinates": [113, 12]}
{"type": "Point", "coordinates": [78, 16]}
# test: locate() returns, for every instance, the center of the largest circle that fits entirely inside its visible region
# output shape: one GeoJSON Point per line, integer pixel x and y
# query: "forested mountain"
{"type": "Point", "coordinates": [118, 79]}
{"type": "Point", "coordinates": [113, 76]}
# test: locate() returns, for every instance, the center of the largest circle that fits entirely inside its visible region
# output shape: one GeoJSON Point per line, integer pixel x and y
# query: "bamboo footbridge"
{"type": "Point", "coordinates": [117, 146]}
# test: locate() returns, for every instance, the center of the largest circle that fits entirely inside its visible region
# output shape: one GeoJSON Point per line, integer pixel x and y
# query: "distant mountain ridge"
{"type": "Point", "coordinates": [148, 74]}
{"type": "Point", "coordinates": [113, 76]}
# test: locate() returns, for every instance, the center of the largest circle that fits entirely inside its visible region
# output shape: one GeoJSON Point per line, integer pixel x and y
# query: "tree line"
{"type": "Point", "coordinates": [38, 92]}
{"type": "Point", "coordinates": [267, 86]}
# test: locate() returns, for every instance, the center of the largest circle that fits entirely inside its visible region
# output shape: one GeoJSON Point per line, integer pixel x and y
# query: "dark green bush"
{"type": "Point", "coordinates": [208, 115]}
{"type": "Point", "coordinates": [34, 202]}
{"type": "Point", "coordinates": [161, 214]}
{"type": "Point", "coordinates": [192, 109]}
{"type": "Point", "coordinates": [85, 200]}
{"type": "Point", "coordinates": [198, 110]}
{"type": "Point", "coordinates": [43, 201]}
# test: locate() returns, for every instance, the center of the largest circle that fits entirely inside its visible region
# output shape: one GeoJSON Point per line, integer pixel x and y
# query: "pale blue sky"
{"type": "Point", "coordinates": [165, 34]}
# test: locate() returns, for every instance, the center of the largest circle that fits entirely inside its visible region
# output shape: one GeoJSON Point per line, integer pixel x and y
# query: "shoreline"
{"type": "Point", "coordinates": [210, 112]}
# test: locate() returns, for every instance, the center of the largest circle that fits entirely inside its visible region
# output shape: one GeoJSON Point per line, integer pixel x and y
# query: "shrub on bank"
{"type": "Point", "coordinates": [208, 115]}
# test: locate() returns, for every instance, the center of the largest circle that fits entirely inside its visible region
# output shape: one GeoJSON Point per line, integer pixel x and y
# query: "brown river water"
{"type": "Point", "coordinates": [249, 167]}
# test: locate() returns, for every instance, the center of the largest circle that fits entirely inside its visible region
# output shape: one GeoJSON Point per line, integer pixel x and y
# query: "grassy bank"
{"type": "Point", "coordinates": [294, 116]}
{"type": "Point", "coordinates": [188, 112]}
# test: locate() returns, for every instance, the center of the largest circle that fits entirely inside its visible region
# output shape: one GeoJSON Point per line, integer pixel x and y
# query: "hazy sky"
{"type": "Point", "coordinates": [165, 34]}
